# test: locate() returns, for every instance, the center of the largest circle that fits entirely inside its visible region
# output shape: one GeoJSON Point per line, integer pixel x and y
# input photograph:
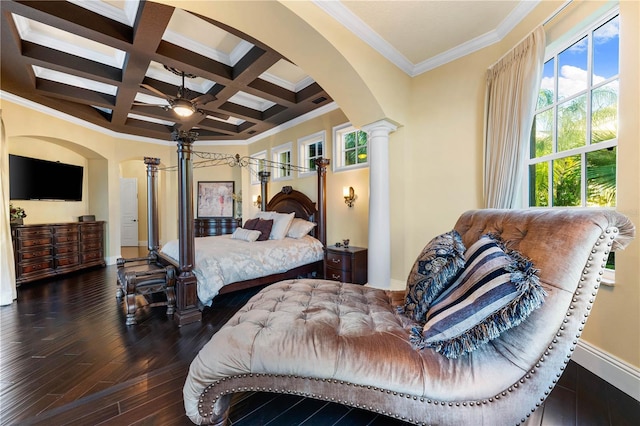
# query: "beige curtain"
{"type": "Point", "coordinates": [7, 269]}
{"type": "Point", "coordinates": [512, 91]}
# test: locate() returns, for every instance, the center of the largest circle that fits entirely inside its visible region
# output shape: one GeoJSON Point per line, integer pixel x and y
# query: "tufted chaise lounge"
{"type": "Point", "coordinates": [347, 343]}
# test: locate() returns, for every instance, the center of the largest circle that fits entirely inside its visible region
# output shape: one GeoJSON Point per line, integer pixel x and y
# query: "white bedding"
{"type": "Point", "coordinates": [221, 260]}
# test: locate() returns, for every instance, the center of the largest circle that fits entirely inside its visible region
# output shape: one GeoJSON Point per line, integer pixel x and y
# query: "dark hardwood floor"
{"type": "Point", "coordinates": [66, 357]}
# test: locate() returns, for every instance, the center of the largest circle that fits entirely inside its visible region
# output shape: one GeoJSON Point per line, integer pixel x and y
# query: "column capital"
{"type": "Point", "coordinates": [151, 161]}
{"type": "Point", "coordinates": [380, 125]}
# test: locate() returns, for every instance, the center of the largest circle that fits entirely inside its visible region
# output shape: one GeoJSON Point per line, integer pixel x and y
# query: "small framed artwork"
{"type": "Point", "coordinates": [215, 199]}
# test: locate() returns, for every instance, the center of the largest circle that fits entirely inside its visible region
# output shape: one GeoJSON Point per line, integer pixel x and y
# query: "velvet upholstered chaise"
{"type": "Point", "coordinates": [351, 344]}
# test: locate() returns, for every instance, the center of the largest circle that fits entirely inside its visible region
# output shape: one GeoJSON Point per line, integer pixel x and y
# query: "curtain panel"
{"type": "Point", "coordinates": [511, 94]}
{"type": "Point", "coordinates": [8, 292]}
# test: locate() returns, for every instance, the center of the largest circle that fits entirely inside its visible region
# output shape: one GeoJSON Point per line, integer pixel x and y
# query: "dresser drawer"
{"type": "Point", "coordinates": [67, 260]}
{"type": "Point", "coordinates": [35, 232]}
{"type": "Point", "coordinates": [35, 253]}
{"type": "Point", "coordinates": [91, 256]}
{"type": "Point", "coordinates": [91, 245]}
{"type": "Point", "coordinates": [91, 236]}
{"type": "Point", "coordinates": [338, 261]}
{"type": "Point", "coordinates": [28, 268]}
{"type": "Point", "coordinates": [66, 248]}
{"type": "Point", "coordinates": [66, 237]}
{"type": "Point", "coordinates": [41, 240]}
{"type": "Point", "coordinates": [338, 275]}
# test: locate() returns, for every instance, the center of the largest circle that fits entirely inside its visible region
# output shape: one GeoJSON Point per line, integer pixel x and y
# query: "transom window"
{"type": "Point", "coordinates": [281, 156]}
{"type": "Point", "coordinates": [310, 148]}
{"type": "Point", "coordinates": [574, 136]}
{"type": "Point", "coordinates": [351, 147]}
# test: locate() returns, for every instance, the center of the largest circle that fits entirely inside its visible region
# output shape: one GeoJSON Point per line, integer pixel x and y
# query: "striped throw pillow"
{"type": "Point", "coordinates": [497, 290]}
{"type": "Point", "coordinates": [437, 265]}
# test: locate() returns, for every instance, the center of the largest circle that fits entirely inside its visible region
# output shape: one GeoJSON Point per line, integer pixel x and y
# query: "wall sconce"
{"type": "Point", "coordinates": [257, 200]}
{"type": "Point", "coordinates": [349, 195]}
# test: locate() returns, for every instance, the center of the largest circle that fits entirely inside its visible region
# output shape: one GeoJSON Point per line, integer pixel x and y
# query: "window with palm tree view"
{"type": "Point", "coordinates": [575, 129]}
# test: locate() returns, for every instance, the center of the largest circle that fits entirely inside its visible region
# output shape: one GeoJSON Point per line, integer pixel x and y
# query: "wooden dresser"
{"type": "Point", "coordinates": [47, 250]}
{"type": "Point", "coordinates": [211, 226]}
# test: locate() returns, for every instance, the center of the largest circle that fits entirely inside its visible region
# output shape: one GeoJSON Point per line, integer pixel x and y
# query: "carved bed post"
{"type": "Point", "coordinates": [264, 179]}
{"type": "Point", "coordinates": [153, 239]}
{"type": "Point", "coordinates": [186, 285]}
{"type": "Point", "coordinates": [321, 168]}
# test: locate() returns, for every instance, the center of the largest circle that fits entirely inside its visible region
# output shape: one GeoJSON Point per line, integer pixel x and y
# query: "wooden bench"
{"type": "Point", "coordinates": [145, 276]}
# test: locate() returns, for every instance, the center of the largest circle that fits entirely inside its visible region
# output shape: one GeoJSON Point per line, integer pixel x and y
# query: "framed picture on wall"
{"type": "Point", "coordinates": [215, 199]}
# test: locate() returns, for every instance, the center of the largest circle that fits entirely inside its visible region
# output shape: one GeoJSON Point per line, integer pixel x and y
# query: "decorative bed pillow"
{"type": "Point", "coordinates": [251, 223]}
{"type": "Point", "coordinates": [299, 228]}
{"type": "Point", "coordinates": [264, 226]}
{"type": "Point", "coordinates": [281, 223]}
{"type": "Point", "coordinates": [249, 235]}
{"type": "Point", "coordinates": [497, 290]}
{"type": "Point", "coordinates": [437, 265]}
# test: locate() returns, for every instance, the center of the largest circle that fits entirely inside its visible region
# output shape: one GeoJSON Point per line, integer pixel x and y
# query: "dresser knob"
{"type": "Point", "coordinates": [336, 260]}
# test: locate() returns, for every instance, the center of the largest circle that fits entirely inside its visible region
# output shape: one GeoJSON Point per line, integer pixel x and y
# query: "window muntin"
{"type": "Point", "coordinates": [310, 148]}
{"type": "Point", "coordinates": [351, 147]}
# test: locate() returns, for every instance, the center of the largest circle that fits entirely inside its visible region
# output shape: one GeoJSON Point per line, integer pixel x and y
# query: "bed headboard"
{"type": "Point", "coordinates": [291, 201]}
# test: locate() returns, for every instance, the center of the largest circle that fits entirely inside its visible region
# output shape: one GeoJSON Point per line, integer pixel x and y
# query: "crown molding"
{"type": "Point", "coordinates": [353, 23]}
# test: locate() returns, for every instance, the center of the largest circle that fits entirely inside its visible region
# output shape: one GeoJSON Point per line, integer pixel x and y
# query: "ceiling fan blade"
{"type": "Point", "coordinates": [154, 90]}
{"type": "Point", "coordinates": [203, 99]}
{"type": "Point", "coordinates": [151, 105]}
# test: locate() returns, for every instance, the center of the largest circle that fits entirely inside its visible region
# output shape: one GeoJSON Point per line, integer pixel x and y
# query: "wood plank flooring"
{"type": "Point", "coordinates": [66, 357]}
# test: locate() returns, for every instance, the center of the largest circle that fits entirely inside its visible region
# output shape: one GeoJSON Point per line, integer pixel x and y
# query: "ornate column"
{"type": "Point", "coordinates": [153, 239]}
{"type": "Point", "coordinates": [321, 168]}
{"type": "Point", "coordinates": [186, 286]}
{"type": "Point", "coordinates": [379, 256]}
{"type": "Point", "coordinates": [264, 179]}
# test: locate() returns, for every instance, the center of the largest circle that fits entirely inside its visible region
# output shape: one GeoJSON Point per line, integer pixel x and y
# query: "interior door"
{"type": "Point", "coordinates": [128, 211]}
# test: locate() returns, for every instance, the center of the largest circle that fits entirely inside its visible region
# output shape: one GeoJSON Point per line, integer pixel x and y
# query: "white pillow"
{"type": "Point", "coordinates": [249, 235]}
{"type": "Point", "coordinates": [281, 223]}
{"type": "Point", "coordinates": [299, 228]}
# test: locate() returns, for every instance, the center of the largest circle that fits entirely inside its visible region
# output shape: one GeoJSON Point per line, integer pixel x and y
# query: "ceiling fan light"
{"type": "Point", "coordinates": [183, 108]}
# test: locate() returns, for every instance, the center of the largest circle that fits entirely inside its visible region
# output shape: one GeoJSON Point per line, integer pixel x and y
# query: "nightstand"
{"type": "Point", "coordinates": [347, 265]}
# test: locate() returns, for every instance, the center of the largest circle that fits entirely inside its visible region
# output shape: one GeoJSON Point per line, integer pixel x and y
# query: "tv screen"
{"type": "Point", "coordinates": [34, 179]}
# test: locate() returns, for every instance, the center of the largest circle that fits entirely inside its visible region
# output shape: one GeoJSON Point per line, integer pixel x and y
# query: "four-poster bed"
{"type": "Point", "coordinates": [184, 257]}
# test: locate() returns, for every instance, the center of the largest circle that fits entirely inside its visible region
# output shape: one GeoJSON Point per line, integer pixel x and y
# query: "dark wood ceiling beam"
{"type": "Point", "coordinates": [70, 64]}
{"type": "Point", "coordinates": [75, 20]}
{"type": "Point", "coordinates": [219, 126]}
{"type": "Point", "coordinates": [74, 94]}
{"type": "Point", "coordinates": [16, 75]}
{"type": "Point", "coordinates": [311, 92]}
{"type": "Point", "coordinates": [150, 24]}
{"type": "Point", "coordinates": [241, 111]}
{"type": "Point", "coordinates": [271, 92]}
{"type": "Point", "coordinates": [193, 63]}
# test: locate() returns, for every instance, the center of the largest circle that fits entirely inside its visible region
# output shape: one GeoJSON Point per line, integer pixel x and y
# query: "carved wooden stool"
{"type": "Point", "coordinates": [143, 277]}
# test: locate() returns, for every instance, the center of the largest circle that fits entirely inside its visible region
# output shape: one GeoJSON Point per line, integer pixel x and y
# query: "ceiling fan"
{"type": "Point", "coordinates": [181, 104]}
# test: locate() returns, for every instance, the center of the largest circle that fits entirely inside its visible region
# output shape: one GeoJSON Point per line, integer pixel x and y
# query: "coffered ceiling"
{"type": "Point", "coordinates": [119, 64]}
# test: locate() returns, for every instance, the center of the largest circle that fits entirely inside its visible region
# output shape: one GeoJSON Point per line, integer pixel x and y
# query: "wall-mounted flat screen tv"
{"type": "Point", "coordinates": [34, 179]}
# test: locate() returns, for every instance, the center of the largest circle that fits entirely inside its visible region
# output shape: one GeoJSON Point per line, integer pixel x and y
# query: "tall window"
{"type": "Point", "coordinates": [575, 129]}
{"type": "Point", "coordinates": [281, 156]}
{"type": "Point", "coordinates": [310, 148]}
{"type": "Point", "coordinates": [259, 166]}
{"type": "Point", "coordinates": [351, 147]}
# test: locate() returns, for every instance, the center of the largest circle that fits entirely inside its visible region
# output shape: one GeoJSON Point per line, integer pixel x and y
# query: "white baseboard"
{"type": "Point", "coordinates": [620, 374]}
{"type": "Point", "coordinates": [111, 260]}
